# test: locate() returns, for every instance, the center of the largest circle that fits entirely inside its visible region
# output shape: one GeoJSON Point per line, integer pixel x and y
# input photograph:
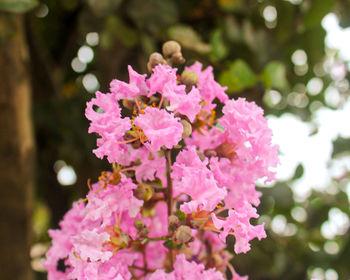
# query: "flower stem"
{"type": "Point", "coordinates": [137, 104]}
{"type": "Point", "coordinates": [161, 102]}
{"type": "Point", "coordinates": [169, 182]}
{"type": "Point", "coordinates": [169, 196]}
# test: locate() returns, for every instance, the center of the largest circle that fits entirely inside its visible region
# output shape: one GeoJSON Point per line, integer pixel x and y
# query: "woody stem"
{"type": "Point", "coordinates": [169, 195]}
{"type": "Point", "coordinates": [169, 182]}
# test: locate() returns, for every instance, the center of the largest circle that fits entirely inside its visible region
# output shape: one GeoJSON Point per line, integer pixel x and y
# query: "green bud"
{"type": "Point", "coordinates": [189, 78]}
{"type": "Point", "coordinates": [143, 192]}
{"type": "Point", "coordinates": [139, 224]}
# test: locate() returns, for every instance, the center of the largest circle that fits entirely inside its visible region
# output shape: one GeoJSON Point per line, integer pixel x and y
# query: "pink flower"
{"type": "Point", "coordinates": [151, 165]}
{"type": "Point", "coordinates": [89, 234]}
{"type": "Point", "coordinates": [184, 269]}
{"type": "Point", "coordinates": [235, 276]}
{"type": "Point", "coordinates": [186, 104]}
{"type": "Point", "coordinates": [117, 267]}
{"type": "Point", "coordinates": [88, 245]}
{"type": "Point", "coordinates": [156, 253]}
{"type": "Point", "coordinates": [193, 271]}
{"type": "Point", "coordinates": [246, 127]}
{"type": "Point", "coordinates": [192, 177]}
{"type": "Point", "coordinates": [61, 241]}
{"type": "Point", "coordinates": [237, 179]}
{"type": "Point", "coordinates": [163, 80]}
{"type": "Point", "coordinates": [162, 76]}
{"type": "Point", "coordinates": [105, 202]}
{"type": "Point", "coordinates": [208, 87]}
{"type": "Point", "coordinates": [160, 127]}
{"type": "Point", "coordinates": [206, 139]}
{"type": "Point", "coordinates": [237, 224]}
{"type": "Point", "coordinates": [110, 126]}
{"type": "Point", "coordinates": [136, 86]}
{"type": "Point", "coordinates": [161, 275]}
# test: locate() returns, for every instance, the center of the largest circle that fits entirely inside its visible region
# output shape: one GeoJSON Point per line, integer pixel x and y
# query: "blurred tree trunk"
{"type": "Point", "coordinates": [16, 153]}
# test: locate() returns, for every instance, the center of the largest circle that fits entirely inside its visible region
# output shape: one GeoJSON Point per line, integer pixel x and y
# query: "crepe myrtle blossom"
{"type": "Point", "coordinates": [181, 180]}
{"type": "Point", "coordinates": [160, 127]}
{"type": "Point", "coordinates": [136, 86]}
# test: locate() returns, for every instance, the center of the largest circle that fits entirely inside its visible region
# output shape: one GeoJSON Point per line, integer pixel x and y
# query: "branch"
{"type": "Point", "coordinates": [169, 196]}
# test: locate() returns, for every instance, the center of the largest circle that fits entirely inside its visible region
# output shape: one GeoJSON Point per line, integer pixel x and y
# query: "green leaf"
{"type": "Point", "coordinates": [299, 171]}
{"type": "Point", "coordinates": [115, 27]}
{"type": "Point", "coordinates": [219, 48]}
{"type": "Point", "coordinates": [317, 10]}
{"type": "Point", "coordinates": [231, 5]}
{"type": "Point", "coordinates": [153, 15]}
{"type": "Point", "coordinates": [274, 75]}
{"type": "Point", "coordinates": [100, 8]}
{"type": "Point", "coordinates": [181, 215]}
{"type": "Point", "coordinates": [172, 245]}
{"type": "Point", "coordinates": [17, 6]}
{"type": "Point", "coordinates": [238, 77]}
{"type": "Point", "coordinates": [188, 38]}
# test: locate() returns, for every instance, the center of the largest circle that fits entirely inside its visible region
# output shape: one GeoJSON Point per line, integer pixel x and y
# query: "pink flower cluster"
{"type": "Point", "coordinates": [182, 181]}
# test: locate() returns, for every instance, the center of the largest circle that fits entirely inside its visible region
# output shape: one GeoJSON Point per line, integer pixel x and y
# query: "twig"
{"type": "Point", "coordinates": [169, 196]}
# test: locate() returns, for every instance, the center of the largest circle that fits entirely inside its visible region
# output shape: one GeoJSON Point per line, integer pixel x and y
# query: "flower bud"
{"type": "Point", "coordinates": [143, 192]}
{"type": "Point", "coordinates": [172, 52]}
{"type": "Point", "coordinates": [141, 228]}
{"type": "Point", "coordinates": [187, 128]}
{"type": "Point", "coordinates": [139, 224]}
{"type": "Point", "coordinates": [155, 59]}
{"type": "Point", "coordinates": [170, 48]}
{"type": "Point", "coordinates": [189, 78]}
{"type": "Point", "coordinates": [174, 223]}
{"type": "Point", "coordinates": [183, 234]}
{"type": "Point", "coordinates": [178, 58]}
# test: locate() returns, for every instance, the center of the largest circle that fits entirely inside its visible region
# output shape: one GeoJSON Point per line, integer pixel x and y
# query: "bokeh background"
{"type": "Point", "coordinates": [292, 57]}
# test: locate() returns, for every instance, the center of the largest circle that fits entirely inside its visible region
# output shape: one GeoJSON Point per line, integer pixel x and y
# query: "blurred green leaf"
{"type": "Point", "coordinates": [317, 10]}
{"type": "Point", "coordinates": [299, 171]}
{"type": "Point", "coordinates": [102, 7]}
{"type": "Point", "coordinates": [148, 44]}
{"type": "Point", "coordinates": [17, 6]}
{"type": "Point", "coordinates": [238, 77]}
{"type": "Point", "coordinates": [219, 48]}
{"type": "Point", "coordinates": [232, 28]}
{"type": "Point", "coordinates": [286, 20]}
{"type": "Point", "coordinates": [153, 15]}
{"type": "Point", "coordinates": [188, 38]}
{"type": "Point", "coordinates": [172, 245]}
{"type": "Point", "coordinates": [274, 75]}
{"type": "Point", "coordinates": [231, 5]}
{"type": "Point", "coordinates": [181, 215]}
{"type": "Point", "coordinates": [115, 27]}
{"type": "Point", "coordinates": [341, 145]}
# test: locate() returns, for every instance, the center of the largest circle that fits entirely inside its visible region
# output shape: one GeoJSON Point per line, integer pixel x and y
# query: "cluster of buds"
{"type": "Point", "coordinates": [182, 179]}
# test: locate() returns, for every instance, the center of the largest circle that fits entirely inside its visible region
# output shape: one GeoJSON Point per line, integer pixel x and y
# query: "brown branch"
{"type": "Point", "coordinates": [169, 196]}
{"type": "Point", "coordinates": [169, 182]}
